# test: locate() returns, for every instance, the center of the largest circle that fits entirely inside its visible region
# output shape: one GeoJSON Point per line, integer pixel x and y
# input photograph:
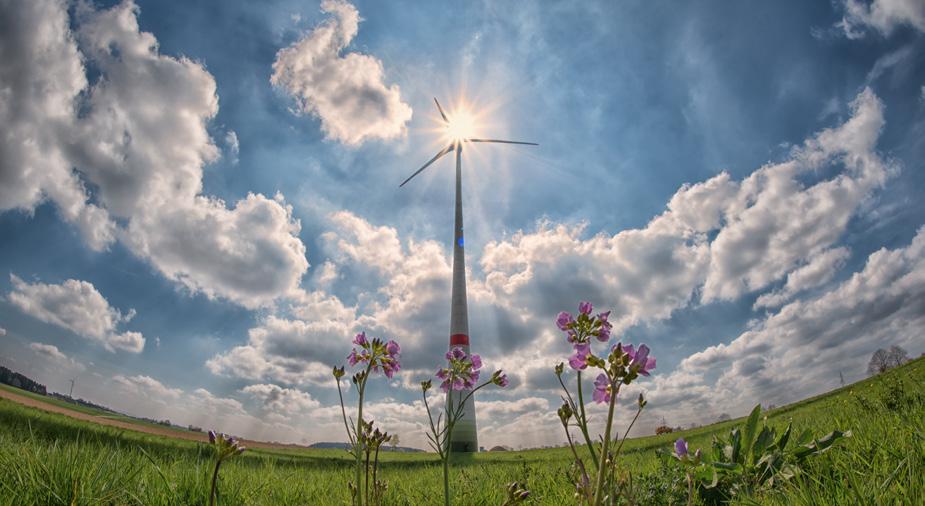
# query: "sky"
{"type": "Point", "coordinates": [199, 202]}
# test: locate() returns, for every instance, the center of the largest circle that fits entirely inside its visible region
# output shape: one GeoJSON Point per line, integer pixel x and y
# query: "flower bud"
{"type": "Point", "coordinates": [565, 413]}
{"type": "Point", "coordinates": [425, 385]}
{"type": "Point", "coordinates": [559, 368]}
{"type": "Point", "coordinates": [642, 401]}
{"type": "Point", "coordinates": [339, 372]}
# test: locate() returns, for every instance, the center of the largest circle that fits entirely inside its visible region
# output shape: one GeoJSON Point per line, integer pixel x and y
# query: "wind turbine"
{"type": "Point", "coordinates": [465, 434]}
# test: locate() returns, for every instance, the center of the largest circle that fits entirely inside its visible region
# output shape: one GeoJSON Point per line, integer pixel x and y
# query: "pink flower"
{"type": "Point", "coordinates": [563, 320]}
{"type": "Point", "coordinates": [499, 378]}
{"type": "Point", "coordinates": [639, 359]}
{"type": "Point", "coordinates": [603, 333]}
{"type": "Point", "coordinates": [456, 353]}
{"type": "Point", "coordinates": [476, 361]}
{"type": "Point", "coordinates": [601, 393]}
{"type": "Point", "coordinates": [579, 361]}
{"type": "Point", "coordinates": [392, 348]}
{"type": "Point", "coordinates": [352, 358]}
{"type": "Point", "coordinates": [584, 307]}
{"type": "Point", "coordinates": [360, 339]}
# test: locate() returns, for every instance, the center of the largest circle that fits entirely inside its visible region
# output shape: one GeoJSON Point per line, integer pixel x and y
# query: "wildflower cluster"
{"type": "Point", "coordinates": [225, 448]}
{"type": "Point", "coordinates": [580, 331]}
{"type": "Point", "coordinates": [376, 354]}
{"type": "Point", "coordinates": [373, 355]}
{"type": "Point", "coordinates": [517, 493]}
{"type": "Point", "coordinates": [621, 366]}
{"type": "Point", "coordinates": [461, 374]}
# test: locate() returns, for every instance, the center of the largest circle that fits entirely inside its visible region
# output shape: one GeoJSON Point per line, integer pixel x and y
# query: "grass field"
{"type": "Point", "coordinates": [47, 458]}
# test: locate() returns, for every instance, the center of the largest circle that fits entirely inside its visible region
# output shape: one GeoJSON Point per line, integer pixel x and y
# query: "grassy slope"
{"type": "Point", "coordinates": [89, 410]}
{"type": "Point", "coordinates": [51, 459]}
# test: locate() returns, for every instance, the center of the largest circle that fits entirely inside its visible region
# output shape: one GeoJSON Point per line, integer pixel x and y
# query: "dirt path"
{"type": "Point", "coordinates": [137, 427]}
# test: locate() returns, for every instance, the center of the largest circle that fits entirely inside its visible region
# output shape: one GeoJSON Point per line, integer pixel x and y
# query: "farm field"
{"type": "Point", "coordinates": [49, 458]}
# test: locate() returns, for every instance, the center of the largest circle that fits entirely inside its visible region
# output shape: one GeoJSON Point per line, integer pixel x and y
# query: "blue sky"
{"type": "Point", "coordinates": [200, 200]}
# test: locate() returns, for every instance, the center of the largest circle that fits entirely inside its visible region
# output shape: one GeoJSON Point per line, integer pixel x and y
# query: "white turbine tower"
{"type": "Point", "coordinates": [465, 434]}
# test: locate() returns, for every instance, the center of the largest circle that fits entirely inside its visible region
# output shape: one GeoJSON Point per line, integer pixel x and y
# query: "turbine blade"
{"type": "Point", "coordinates": [432, 160]}
{"type": "Point", "coordinates": [442, 114]}
{"type": "Point", "coordinates": [503, 142]}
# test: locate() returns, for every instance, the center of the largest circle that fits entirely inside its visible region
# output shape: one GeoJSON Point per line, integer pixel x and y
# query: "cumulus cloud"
{"type": "Point", "coordinates": [77, 306]}
{"type": "Point", "coordinates": [145, 163]}
{"type": "Point", "coordinates": [281, 400]}
{"type": "Point", "coordinates": [346, 92]}
{"type": "Point", "coordinates": [817, 272]}
{"type": "Point", "coordinates": [2, 331]}
{"type": "Point", "coordinates": [883, 16]}
{"type": "Point", "coordinates": [42, 75]}
{"type": "Point", "coordinates": [51, 353]}
{"type": "Point", "coordinates": [800, 350]}
{"type": "Point", "coordinates": [147, 387]}
{"type": "Point", "coordinates": [250, 254]}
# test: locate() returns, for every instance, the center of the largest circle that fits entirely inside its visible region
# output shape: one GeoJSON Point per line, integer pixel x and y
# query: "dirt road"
{"type": "Point", "coordinates": [137, 427]}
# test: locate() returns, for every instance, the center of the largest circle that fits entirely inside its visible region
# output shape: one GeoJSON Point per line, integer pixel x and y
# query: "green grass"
{"type": "Point", "coordinates": [51, 459]}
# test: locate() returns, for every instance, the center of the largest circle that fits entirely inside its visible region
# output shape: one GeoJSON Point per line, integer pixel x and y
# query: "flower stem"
{"type": "Point", "coordinates": [583, 424]}
{"type": "Point", "coordinates": [598, 488]}
{"type": "Point", "coordinates": [446, 464]}
{"type": "Point", "coordinates": [214, 483]}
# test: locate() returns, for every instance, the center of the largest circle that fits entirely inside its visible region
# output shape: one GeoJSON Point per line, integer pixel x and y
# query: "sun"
{"type": "Point", "coordinates": [461, 125]}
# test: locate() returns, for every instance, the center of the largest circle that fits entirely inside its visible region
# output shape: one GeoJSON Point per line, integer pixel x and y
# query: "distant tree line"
{"type": "Point", "coordinates": [82, 402]}
{"type": "Point", "coordinates": [19, 381]}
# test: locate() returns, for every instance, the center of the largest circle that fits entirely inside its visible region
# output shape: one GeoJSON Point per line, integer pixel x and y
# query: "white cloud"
{"type": "Point", "coordinates": [2, 331]}
{"type": "Point", "coordinates": [233, 146]}
{"type": "Point", "coordinates": [817, 272]}
{"type": "Point", "coordinates": [250, 254]}
{"type": "Point", "coordinates": [79, 307]}
{"type": "Point", "coordinates": [145, 163]}
{"type": "Point", "coordinates": [42, 75]}
{"type": "Point", "coordinates": [148, 388]}
{"type": "Point", "coordinates": [281, 400]}
{"type": "Point", "coordinates": [53, 354]}
{"type": "Point", "coordinates": [347, 92]}
{"type": "Point", "coordinates": [800, 350]}
{"type": "Point", "coordinates": [881, 15]}
{"type": "Point", "coordinates": [775, 222]}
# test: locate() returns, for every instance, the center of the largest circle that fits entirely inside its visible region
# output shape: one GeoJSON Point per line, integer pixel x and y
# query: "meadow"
{"type": "Point", "coordinates": [46, 458]}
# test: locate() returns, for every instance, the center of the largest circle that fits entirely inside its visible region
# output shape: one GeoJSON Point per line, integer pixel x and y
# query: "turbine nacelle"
{"type": "Point", "coordinates": [460, 128]}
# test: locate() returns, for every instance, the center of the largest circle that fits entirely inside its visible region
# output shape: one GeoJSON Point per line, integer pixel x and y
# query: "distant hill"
{"type": "Point", "coordinates": [345, 446]}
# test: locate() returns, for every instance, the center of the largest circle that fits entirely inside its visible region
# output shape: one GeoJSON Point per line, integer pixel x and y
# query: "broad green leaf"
{"type": "Point", "coordinates": [782, 442]}
{"type": "Point", "coordinates": [764, 439]}
{"type": "Point", "coordinates": [820, 445]}
{"type": "Point", "coordinates": [734, 450]}
{"type": "Point", "coordinates": [748, 437]}
{"type": "Point", "coordinates": [728, 467]}
{"type": "Point", "coordinates": [804, 437]}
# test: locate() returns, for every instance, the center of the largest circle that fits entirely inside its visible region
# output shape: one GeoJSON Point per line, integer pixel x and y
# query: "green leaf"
{"type": "Point", "coordinates": [728, 467]}
{"type": "Point", "coordinates": [819, 446]}
{"type": "Point", "coordinates": [804, 437]}
{"type": "Point", "coordinates": [764, 440]}
{"type": "Point", "coordinates": [750, 427]}
{"type": "Point", "coordinates": [732, 452]}
{"type": "Point", "coordinates": [782, 442]}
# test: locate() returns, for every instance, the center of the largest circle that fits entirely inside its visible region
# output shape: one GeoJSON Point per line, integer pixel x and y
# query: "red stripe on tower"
{"type": "Point", "coordinates": [459, 340]}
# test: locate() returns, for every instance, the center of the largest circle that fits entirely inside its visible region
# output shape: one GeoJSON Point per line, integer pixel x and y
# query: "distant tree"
{"type": "Point", "coordinates": [723, 417]}
{"type": "Point", "coordinates": [884, 360]}
{"type": "Point", "coordinates": [663, 429]}
{"type": "Point", "coordinates": [394, 441]}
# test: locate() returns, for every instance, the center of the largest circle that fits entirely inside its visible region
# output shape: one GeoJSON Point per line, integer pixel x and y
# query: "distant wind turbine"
{"type": "Point", "coordinates": [459, 130]}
